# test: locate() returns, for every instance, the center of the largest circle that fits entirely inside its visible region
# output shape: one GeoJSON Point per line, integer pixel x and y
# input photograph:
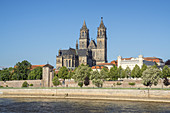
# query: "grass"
{"type": "Point", "coordinates": [85, 88]}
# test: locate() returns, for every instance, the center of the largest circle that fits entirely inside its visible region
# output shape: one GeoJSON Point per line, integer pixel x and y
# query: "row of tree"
{"type": "Point", "coordinates": [21, 71]}
{"type": "Point", "coordinates": [82, 74]}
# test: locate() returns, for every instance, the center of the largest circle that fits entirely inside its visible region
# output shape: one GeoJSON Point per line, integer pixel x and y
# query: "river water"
{"type": "Point", "coordinates": [79, 106]}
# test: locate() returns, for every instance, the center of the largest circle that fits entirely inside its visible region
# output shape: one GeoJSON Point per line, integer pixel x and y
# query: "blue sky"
{"type": "Point", "coordinates": [35, 30]}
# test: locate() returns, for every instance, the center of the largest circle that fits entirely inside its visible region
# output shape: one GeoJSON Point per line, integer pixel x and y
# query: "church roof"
{"type": "Point", "coordinates": [70, 51]}
{"type": "Point", "coordinates": [84, 26]}
{"type": "Point", "coordinates": [92, 45]}
{"type": "Point", "coordinates": [82, 52]}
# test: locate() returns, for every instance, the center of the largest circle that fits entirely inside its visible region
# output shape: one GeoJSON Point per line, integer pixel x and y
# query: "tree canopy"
{"type": "Point", "coordinates": [63, 73]}
{"type": "Point", "coordinates": [35, 74]}
{"type": "Point", "coordinates": [97, 78]}
{"type": "Point", "coordinates": [136, 72]}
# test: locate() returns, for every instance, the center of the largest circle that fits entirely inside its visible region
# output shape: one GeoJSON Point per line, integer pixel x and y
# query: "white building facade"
{"type": "Point", "coordinates": [133, 61]}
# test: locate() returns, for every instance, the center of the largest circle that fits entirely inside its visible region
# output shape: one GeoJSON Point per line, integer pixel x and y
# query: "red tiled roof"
{"type": "Point", "coordinates": [98, 67]}
{"type": "Point", "coordinates": [105, 64]}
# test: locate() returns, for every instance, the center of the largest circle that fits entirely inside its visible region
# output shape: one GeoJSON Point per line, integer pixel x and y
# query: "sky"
{"type": "Point", "coordinates": [34, 30]}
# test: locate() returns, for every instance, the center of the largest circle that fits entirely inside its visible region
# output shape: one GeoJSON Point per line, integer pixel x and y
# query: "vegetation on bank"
{"type": "Point", "coordinates": [83, 74]}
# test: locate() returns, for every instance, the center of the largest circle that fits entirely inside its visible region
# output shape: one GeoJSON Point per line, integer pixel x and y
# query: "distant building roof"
{"type": "Point", "coordinates": [70, 51]}
{"type": "Point", "coordinates": [98, 67]}
{"type": "Point", "coordinates": [104, 64]}
{"type": "Point", "coordinates": [82, 52]}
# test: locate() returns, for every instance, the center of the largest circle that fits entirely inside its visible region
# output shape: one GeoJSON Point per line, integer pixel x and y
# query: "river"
{"type": "Point", "coordinates": [79, 106]}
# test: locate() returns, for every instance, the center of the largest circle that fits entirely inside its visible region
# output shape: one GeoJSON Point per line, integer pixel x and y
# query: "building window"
{"type": "Point", "coordinates": [100, 33]}
{"type": "Point", "coordinates": [66, 63]}
{"type": "Point", "coordinates": [69, 63]}
{"type": "Point", "coordinates": [100, 44]}
{"type": "Point", "coordinates": [82, 44]}
{"type": "Point", "coordinates": [82, 34]}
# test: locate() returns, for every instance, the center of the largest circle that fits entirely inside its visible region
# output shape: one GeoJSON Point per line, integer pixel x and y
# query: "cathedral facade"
{"type": "Point", "coordinates": [87, 52]}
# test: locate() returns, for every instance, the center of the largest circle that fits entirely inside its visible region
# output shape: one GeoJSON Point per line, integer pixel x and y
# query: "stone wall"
{"type": "Point", "coordinates": [18, 83]}
{"type": "Point", "coordinates": [101, 93]}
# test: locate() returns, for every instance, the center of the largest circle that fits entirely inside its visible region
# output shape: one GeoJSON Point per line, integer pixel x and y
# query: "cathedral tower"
{"type": "Point", "coordinates": [84, 37]}
{"type": "Point", "coordinates": [101, 43]}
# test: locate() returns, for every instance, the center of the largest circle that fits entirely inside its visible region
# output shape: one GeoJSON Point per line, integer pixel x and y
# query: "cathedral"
{"type": "Point", "coordinates": [87, 52]}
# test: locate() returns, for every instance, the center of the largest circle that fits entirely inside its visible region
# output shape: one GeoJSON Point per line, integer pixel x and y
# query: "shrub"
{"type": "Point", "coordinates": [132, 83]}
{"type": "Point", "coordinates": [80, 84]}
{"type": "Point", "coordinates": [6, 85]}
{"type": "Point", "coordinates": [1, 86]}
{"type": "Point", "coordinates": [25, 84]}
{"type": "Point", "coordinates": [31, 85]}
{"type": "Point", "coordinates": [119, 83]}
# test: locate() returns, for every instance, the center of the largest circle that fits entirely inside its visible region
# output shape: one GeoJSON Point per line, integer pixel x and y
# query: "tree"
{"type": "Point", "coordinates": [5, 74]}
{"type": "Point", "coordinates": [56, 81]}
{"type": "Point", "coordinates": [120, 72]}
{"type": "Point", "coordinates": [35, 74]}
{"type": "Point", "coordinates": [113, 73]}
{"type": "Point", "coordinates": [104, 72]}
{"type": "Point", "coordinates": [127, 72]}
{"type": "Point", "coordinates": [136, 72]}
{"type": "Point", "coordinates": [22, 70]}
{"type": "Point", "coordinates": [82, 73]}
{"type": "Point", "coordinates": [166, 82]}
{"type": "Point", "coordinates": [97, 78]}
{"type": "Point", "coordinates": [63, 73]}
{"type": "Point", "coordinates": [70, 74]}
{"type": "Point", "coordinates": [151, 76]}
{"type": "Point", "coordinates": [165, 72]}
{"type": "Point", "coordinates": [144, 67]}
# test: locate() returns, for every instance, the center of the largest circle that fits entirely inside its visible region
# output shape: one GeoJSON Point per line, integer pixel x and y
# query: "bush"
{"type": "Point", "coordinates": [119, 83]}
{"type": "Point", "coordinates": [6, 85]}
{"type": "Point", "coordinates": [80, 84]}
{"type": "Point", "coordinates": [31, 85]}
{"type": "Point", "coordinates": [25, 84]}
{"type": "Point", "coordinates": [1, 86]}
{"type": "Point", "coordinates": [132, 83]}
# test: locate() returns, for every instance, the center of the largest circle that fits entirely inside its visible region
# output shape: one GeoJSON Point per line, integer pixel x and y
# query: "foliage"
{"type": "Point", "coordinates": [127, 72]}
{"type": "Point", "coordinates": [144, 67]}
{"type": "Point", "coordinates": [5, 75]}
{"type": "Point", "coordinates": [136, 72]}
{"type": "Point", "coordinates": [118, 83]}
{"type": "Point", "coordinates": [80, 84]}
{"type": "Point", "coordinates": [56, 81]}
{"type": "Point", "coordinates": [35, 74]}
{"type": "Point", "coordinates": [104, 72]}
{"type": "Point", "coordinates": [97, 78]}
{"type": "Point", "coordinates": [22, 70]}
{"type": "Point", "coordinates": [154, 66]}
{"type": "Point", "coordinates": [31, 85]}
{"type": "Point", "coordinates": [70, 74]}
{"type": "Point", "coordinates": [63, 73]}
{"type": "Point", "coordinates": [165, 72]}
{"type": "Point", "coordinates": [151, 76]}
{"type": "Point", "coordinates": [82, 73]}
{"type": "Point", "coordinates": [120, 72]}
{"type": "Point", "coordinates": [86, 81]}
{"type": "Point", "coordinates": [113, 74]}
{"type": "Point", "coordinates": [132, 83]}
{"type": "Point", "coordinates": [25, 84]}
{"type": "Point", "coordinates": [166, 82]}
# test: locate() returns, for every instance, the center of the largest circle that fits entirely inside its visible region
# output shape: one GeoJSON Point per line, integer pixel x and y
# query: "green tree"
{"type": "Point", "coordinates": [97, 78]}
{"type": "Point", "coordinates": [63, 73]}
{"type": "Point", "coordinates": [113, 73]}
{"type": "Point", "coordinates": [127, 72]}
{"type": "Point", "coordinates": [35, 74]}
{"type": "Point", "coordinates": [56, 81]}
{"type": "Point", "coordinates": [70, 74]}
{"type": "Point", "coordinates": [104, 72]}
{"type": "Point", "coordinates": [5, 74]}
{"type": "Point", "coordinates": [136, 72]}
{"type": "Point", "coordinates": [120, 72]}
{"type": "Point", "coordinates": [82, 73]}
{"type": "Point", "coordinates": [165, 72]}
{"type": "Point", "coordinates": [144, 67]}
{"type": "Point", "coordinates": [22, 70]}
{"type": "Point", "coordinates": [151, 76]}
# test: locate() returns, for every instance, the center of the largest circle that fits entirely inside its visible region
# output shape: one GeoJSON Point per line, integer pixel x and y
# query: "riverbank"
{"type": "Point", "coordinates": [90, 94]}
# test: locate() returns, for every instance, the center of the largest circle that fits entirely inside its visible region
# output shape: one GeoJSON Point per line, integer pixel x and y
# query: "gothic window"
{"type": "Point", "coordinates": [66, 63]}
{"type": "Point", "coordinates": [100, 33]}
{"type": "Point", "coordinates": [69, 63]}
{"type": "Point", "coordinates": [100, 44]}
{"type": "Point", "coordinates": [82, 34]}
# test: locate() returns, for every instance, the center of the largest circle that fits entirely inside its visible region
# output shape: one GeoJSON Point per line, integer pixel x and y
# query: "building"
{"type": "Point", "coordinates": [131, 62]}
{"type": "Point", "coordinates": [87, 52]}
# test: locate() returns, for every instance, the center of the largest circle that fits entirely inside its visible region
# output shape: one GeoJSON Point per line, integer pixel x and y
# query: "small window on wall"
{"type": "Point", "coordinates": [66, 63]}
{"type": "Point", "coordinates": [100, 33]}
{"type": "Point", "coordinates": [69, 63]}
{"type": "Point", "coordinates": [82, 33]}
{"type": "Point", "coordinates": [100, 44]}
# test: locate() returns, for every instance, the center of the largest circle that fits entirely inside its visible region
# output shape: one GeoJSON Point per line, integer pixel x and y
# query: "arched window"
{"type": "Point", "coordinates": [82, 34]}
{"type": "Point", "coordinates": [100, 32]}
{"type": "Point", "coordinates": [66, 63]}
{"type": "Point", "coordinates": [69, 63]}
{"type": "Point", "coordinates": [100, 44]}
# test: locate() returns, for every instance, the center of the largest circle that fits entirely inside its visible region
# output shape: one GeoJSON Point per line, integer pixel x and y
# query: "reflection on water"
{"type": "Point", "coordinates": [79, 106]}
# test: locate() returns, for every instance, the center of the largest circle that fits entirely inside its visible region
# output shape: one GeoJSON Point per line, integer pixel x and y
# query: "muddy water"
{"type": "Point", "coordinates": [79, 106]}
